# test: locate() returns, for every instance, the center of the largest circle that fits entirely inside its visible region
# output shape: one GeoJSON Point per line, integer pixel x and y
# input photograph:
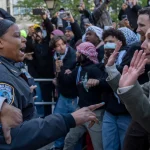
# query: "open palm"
{"type": "Point", "coordinates": [137, 67]}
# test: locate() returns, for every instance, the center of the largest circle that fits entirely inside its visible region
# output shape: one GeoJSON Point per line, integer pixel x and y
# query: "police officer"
{"type": "Point", "coordinates": [34, 132]}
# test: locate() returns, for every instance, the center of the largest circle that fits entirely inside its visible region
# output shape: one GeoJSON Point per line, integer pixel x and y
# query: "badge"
{"type": "Point", "coordinates": [7, 91]}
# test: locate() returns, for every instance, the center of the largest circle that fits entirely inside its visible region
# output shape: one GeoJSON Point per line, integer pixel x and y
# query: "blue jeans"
{"type": "Point", "coordinates": [40, 109]}
{"type": "Point", "coordinates": [64, 106]}
{"type": "Point", "coordinates": [113, 130]}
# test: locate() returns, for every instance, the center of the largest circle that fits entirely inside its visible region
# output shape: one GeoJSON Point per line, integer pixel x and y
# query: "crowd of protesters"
{"type": "Point", "coordinates": [85, 62]}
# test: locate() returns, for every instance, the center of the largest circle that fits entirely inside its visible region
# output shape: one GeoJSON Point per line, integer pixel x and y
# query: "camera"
{"type": "Point", "coordinates": [65, 14]}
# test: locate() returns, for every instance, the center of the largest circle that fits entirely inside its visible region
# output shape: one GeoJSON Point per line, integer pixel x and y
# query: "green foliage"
{"type": "Point", "coordinates": [72, 6]}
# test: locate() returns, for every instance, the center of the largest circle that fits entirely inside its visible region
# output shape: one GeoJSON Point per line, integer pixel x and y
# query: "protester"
{"type": "Point", "coordinates": [130, 9]}
{"type": "Point", "coordinates": [67, 100]}
{"type": "Point", "coordinates": [100, 14]}
{"type": "Point", "coordinates": [116, 118]}
{"type": "Point", "coordinates": [93, 35]}
{"type": "Point", "coordinates": [86, 77]}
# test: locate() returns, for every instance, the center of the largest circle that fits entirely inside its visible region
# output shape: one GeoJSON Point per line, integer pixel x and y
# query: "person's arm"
{"type": "Point", "coordinates": [48, 25]}
{"type": "Point", "coordinates": [138, 104]}
{"type": "Point", "coordinates": [67, 79]}
{"type": "Point", "coordinates": [136, 8]}
{"type": "Point", "coordinates": [36, 133]}
{"type": "Point", "coordinates": [120, 14]}
{"type": "Point", "coordinates": [76, 30]}
{"type": "Point", "coordinates": [99, 10]}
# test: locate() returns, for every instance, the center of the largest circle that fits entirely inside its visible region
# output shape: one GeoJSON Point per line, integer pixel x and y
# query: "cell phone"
{"type": "Point", "coordinates": [124, 17]}
{"type": "Point", "coordinates": [65, 14]}
{"type": "Point", "coordinates": [38, 12]}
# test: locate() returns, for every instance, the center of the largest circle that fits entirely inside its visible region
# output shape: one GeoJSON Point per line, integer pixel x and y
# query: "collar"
{"type": "Point", "coordinates": [9, 64]}
{"type": "Point", "coordinates": [61, 56]}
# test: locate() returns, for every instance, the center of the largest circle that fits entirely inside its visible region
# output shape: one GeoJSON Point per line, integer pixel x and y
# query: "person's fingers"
{"type": "Point", "coordinates": [134, 58]}
{"type": "Point", "coordinates": [94, 107]}
{"type": "Point", "coordinates": [141, 60]}
{"type": "Point", "coordinates": [93, 122]}
{"type": "Point", "coordinates": [125, 70]}
{"type": "Point", "coordinates": [30, 53]}
{"type": "Point", "coordinates": [142, 66]}
{"type": "Point", "coordinates": [6, 132]}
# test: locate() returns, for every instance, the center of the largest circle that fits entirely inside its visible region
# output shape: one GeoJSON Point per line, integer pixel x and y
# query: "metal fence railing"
{"type": "Point", "coordinates": [53, 103]}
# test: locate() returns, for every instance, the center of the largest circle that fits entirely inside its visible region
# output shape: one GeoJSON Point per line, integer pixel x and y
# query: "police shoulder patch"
{"type": "Point", "coordinates": [7, 91]}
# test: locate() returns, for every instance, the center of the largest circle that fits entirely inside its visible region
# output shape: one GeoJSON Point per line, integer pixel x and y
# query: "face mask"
{"type": "Point", "coordinates": [109, 45]}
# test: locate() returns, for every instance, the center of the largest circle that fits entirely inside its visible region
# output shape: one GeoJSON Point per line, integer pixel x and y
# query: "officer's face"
{"type": "Point", "coordinates": [10, 44]}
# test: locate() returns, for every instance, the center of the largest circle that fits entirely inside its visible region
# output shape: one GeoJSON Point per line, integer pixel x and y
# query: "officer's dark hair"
{"type": "Point", "coordinates": [56, 39]}
{"type": "Point", "coordinates": [144, 11]}
{"type": "Point", "coordinates": [114, 33]}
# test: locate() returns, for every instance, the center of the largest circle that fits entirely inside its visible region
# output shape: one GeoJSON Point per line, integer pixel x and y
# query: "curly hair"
{"type": "Point", "coordinates": [114, 33]}
{"type": "Point", "coordinates": [56, 39]}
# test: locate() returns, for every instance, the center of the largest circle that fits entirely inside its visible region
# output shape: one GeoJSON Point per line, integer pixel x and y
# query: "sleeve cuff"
{"type": "Point", "coordinates": [2, 99]}
{"type": "Point", "coordinates": [112, 71]}
{"type": "Point", "coordinates": [69, 120]}
{"type": "Point", "coordinates": [124, 89]}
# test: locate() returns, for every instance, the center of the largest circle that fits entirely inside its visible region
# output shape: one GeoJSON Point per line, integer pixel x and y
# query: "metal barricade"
{"type": "Point", "coordinates": [53, 103]}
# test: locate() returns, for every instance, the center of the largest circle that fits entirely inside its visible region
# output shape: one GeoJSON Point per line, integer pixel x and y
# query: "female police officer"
{"type": "Point", "coordinates": [34, 132]}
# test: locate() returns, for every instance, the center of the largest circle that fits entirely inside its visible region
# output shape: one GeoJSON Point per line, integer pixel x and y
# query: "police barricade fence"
{"type": "Point", "coordinates": [53, 103]}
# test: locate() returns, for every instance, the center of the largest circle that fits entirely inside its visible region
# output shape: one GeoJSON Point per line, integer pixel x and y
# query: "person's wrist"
{"type": "Point", "coordinates": [72, 20]}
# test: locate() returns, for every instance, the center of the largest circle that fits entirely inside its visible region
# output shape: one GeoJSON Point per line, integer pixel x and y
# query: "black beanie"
{"type": "Point", "coordinates": [4, 26]}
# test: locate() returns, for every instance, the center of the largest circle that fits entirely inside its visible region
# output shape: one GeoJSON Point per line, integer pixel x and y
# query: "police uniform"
{"type": "Point", "coordinates": [33, 133]}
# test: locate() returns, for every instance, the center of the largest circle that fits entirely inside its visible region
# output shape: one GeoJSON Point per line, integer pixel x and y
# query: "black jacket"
{"type": "Point", "coordinates": [42, 64]}
{"type": "Point", "coordinates": [100, 52]}
{"type": "Point", "coordinates": [4, 14]}
{"type": "Point", "coordinates": [69, 62]}
{"type": "Point", "coordinates": [132, 14]}
{"type": "Point", "coordinates": [33, 133]}
{"type": "Point", "coordinates": [94, 94]}
{"type": "Point", "coordinates": [85, 15]}
{"type": "Point", "coordinates": [77, 34]}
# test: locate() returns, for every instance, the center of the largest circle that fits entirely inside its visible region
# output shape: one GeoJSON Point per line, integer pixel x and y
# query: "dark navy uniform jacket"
{"type": "Point", "coordinates": [34, 132]}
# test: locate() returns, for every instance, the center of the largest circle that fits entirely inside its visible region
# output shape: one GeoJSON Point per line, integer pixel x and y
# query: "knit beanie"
{"type": "Point", "coordinates": [4, 26]}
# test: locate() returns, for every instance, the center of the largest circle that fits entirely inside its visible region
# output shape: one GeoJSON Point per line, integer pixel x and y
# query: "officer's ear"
{"type": "Point", "coordinates": [1, 44]}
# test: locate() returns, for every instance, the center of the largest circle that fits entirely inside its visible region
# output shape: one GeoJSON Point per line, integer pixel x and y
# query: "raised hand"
{"type": "Point", "coordinates": [137, 67]}
{"type": "Point", "coordinates": [113, 56]}
{"type": "Point", "coordinates": [69, 18]}
{"type": "Point", "coordinates": [92, 83]}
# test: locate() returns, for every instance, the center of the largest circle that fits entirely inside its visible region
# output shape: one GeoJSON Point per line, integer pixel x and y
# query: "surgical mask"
{"type": "Point", "coordinates": [109, 45]}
